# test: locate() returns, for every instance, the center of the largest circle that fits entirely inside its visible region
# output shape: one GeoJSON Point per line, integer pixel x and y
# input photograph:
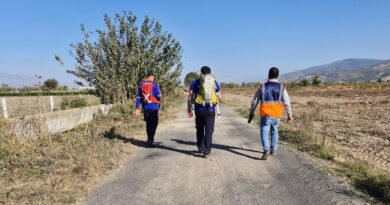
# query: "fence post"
{"type": "Point", "coordinates": [51, 103]}
{"type": "Point", "coordinates": [5, 109]}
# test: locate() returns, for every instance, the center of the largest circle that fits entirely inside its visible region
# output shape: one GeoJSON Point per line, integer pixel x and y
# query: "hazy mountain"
{"type": "Point", "coordinates": [372, 73]}
{"type": "Point", "coordinates": [17, 81]}
{"type": "Point", "coordinates": [348, 70]}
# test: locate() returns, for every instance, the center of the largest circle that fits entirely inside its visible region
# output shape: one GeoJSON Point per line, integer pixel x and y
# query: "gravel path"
{"type": "Point", "coordinates": [173, 173]}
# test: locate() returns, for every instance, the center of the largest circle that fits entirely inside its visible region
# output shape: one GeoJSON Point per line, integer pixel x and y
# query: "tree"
{"type": "Point", "coordinates": [51, 84]}
{"type": "Point", "coordinates": [191, 76]}
{"type": "Point", "coordinates": [316, 80]}
{"type": "Point", "coordinates": [118, 58]}
{"type": "Point", "coordinates": [304, 83]}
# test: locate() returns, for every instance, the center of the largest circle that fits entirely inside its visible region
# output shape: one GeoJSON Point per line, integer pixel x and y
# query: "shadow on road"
{"type": "Point", "coordinates": [231, 149]}
{"type": "Point", "coordinates": [140, 143]}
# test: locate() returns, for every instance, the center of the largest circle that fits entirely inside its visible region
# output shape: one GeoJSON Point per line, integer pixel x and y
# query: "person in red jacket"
{"type": "Point", "coordinates": [149, 96]}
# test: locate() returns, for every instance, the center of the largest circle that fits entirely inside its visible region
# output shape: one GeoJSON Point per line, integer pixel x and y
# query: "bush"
{"type": "Point", "coordinates": [51, 84]}
{"type": "Point", "coordinates": [304, 83]}
{"type": "Point", "coordinates": [191, 76]}
{"type": "Point", "coordinates": [68, 103]}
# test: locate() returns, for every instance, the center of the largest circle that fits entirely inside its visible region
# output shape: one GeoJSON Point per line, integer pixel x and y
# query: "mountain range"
{"type": "Point", "coordinates": [347, 70]}
{"type": "Point", "coordinates": [17, 81]}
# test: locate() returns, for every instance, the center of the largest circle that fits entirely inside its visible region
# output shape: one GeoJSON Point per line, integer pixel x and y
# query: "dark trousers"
{"type": "Point", "coordinates": [205, 120]}
{"type": "Point", "coordinates": [151, 119]}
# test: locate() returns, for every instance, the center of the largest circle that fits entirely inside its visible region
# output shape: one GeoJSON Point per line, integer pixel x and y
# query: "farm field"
{"type": "Point", "coordinates": [354, 120]}
{"type": "Point", "coordinates": [29, 105]}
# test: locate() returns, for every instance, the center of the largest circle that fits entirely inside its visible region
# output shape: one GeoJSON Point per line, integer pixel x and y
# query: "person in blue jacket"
{"type": "Point", "coordinates": [204, 112]}
{"type": "Point", "coordinates": [149, 96]}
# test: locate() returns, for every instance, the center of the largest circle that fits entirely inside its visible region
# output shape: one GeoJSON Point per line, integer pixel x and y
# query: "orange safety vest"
{"type": "Point", "coordinates": [271, 100]}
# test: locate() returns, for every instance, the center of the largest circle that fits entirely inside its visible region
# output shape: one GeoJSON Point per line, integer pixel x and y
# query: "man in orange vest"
{"type": "Point", "coordinates": [273, 98]}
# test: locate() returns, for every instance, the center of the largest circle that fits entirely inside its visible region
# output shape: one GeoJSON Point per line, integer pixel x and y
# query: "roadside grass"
{"type": "Point", "coordinates": [63, 168]}
{"type": "Point", "coordinates": [60, 169]}
{"type": "Point", "coordinates": [372, 182]}
{"type": "Point", "coordinates": [364, 178]}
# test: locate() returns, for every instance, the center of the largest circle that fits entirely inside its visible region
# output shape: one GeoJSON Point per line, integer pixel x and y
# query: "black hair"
{"type": "Point", "coordinates": [150, 73]}
{"type": "Point", "coordinates": [205, 70]}
{"type": "Point", "coordinates": [273, 73]}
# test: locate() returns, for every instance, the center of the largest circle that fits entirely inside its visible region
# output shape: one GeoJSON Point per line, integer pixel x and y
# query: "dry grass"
{"type": "Point", "coordinates": [347, 124]}
{"type": "Point", "coordinates": [353, 119]}
{"type": "Point", "coordinates": [61, 169]}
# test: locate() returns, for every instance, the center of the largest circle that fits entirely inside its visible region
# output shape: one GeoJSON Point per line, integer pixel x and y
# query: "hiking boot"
{"type": "Point", "coordinates": [265, 155]}
{"type": "Point", "coordinates": [273, 152]}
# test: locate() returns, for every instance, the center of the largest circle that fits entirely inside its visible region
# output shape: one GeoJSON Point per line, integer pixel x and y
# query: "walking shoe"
{"type": "Point", "coordinates": [265, 155]}
{"type": "Point", "coordinates": [150, 145]}
{"type": "Point", "coordinates": [273, 152]}
{"type": "Point", "coordinates": [200, 150]}
{"type": "Point", "coordinates": [205, 155]}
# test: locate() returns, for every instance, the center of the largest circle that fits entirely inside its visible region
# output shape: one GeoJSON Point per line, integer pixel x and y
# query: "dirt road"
{"type": "Point", "coordinates": [173, 173]}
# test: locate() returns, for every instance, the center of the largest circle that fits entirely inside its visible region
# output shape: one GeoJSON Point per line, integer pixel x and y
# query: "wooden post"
{"type": "Point", "coordinates": [51, 103]}
{"type": "Point", "coordinates": [5, 109]}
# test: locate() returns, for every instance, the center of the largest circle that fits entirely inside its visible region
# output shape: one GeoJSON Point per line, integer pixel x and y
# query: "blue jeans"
{"type": "Point", "coordinates": [265, 125]}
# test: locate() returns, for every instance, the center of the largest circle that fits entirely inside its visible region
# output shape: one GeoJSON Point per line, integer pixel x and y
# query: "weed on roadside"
{"type": "Point", "coordinates": [365, 179]}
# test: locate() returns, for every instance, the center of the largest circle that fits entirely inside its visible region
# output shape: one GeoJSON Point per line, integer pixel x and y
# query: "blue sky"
{"type": "Point", "coordinates": [240, 40]}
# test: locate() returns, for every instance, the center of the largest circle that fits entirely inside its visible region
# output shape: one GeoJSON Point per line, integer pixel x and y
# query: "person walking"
{"type": "Point", "coordinates": [149, 96]}
{"type": "Point", "coordinates": [205, 94]}
{"type": "Point", "coordinates": [273, 97]}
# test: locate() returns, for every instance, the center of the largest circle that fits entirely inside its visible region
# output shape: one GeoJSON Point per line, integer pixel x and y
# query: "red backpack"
{"type": "Point", "coordinates": [147, 92]}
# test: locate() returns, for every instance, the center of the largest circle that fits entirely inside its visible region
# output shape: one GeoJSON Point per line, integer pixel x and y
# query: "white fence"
{"type": "Point", "coordinates": [12, 107]}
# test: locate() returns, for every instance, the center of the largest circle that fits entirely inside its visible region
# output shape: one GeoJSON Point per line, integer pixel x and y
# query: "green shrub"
{"type": "Point", "coordinates": [68, 103]}
{"type": "Point", "coordinates": [124, 108]}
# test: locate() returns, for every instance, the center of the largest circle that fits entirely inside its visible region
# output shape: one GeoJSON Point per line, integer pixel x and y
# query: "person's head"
{"type": "Point", "coordinates": [273, 73]}
{"type": "Point", "coordinates": [150, 75]}
{"type": "Point", "coordinates": [205, 70]}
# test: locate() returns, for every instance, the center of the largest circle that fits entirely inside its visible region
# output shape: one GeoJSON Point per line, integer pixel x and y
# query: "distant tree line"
{"type": "Point", "coordinates": [48, 85]}
{"type": "Point", "coordinates": [118, 58]}
{"type": "Point", "coordinates": [316, 81]}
